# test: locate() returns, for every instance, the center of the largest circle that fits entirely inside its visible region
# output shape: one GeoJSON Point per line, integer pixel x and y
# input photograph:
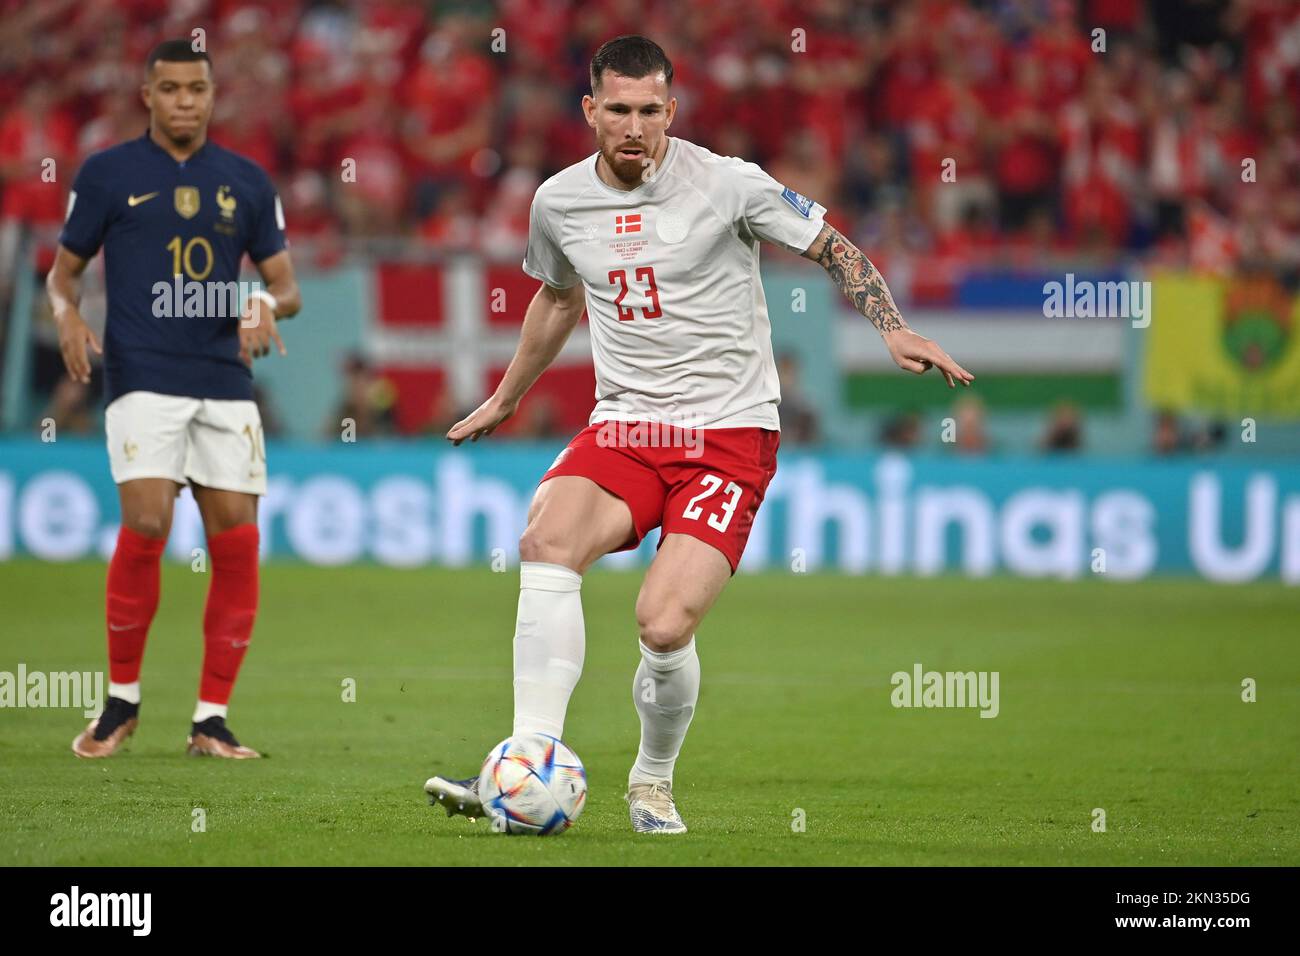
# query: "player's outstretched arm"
{"type": "Point", "coordinates": [550, 318]}
{"type": "Point", "coordinates": [63, 285]}
{"type": "Point", "coordinates": [864, 286]}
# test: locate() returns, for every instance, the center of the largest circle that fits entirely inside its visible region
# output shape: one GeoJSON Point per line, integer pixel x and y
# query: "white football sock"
{"type": "Point", "coordinates": [549, 646]}
{"type": "Point", "coordinates": [206, 709]}
{"type": "Point", "coordinates": [127, 692]}
{"type": "Point", "coordinates": [665, 691]}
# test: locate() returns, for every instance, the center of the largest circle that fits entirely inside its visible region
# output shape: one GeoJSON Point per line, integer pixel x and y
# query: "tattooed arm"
{"type": "Point", "coordinates": [864, 286]}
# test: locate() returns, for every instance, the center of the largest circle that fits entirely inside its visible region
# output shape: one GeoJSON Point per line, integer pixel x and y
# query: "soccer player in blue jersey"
{"type": "Point", "coordinates": [175, 215]}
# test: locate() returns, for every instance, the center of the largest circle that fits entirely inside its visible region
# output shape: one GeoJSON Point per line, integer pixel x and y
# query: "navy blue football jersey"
{"type": "Point", "coordinates": [157, 218]}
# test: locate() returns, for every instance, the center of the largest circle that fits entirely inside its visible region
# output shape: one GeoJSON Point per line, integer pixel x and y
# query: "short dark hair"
{"type": "Point", "coordinates": [632, 56]}
{"type": "Point", "coordinates": [176, 51]}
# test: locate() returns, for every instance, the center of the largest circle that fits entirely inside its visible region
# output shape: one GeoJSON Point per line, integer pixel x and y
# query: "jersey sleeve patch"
{"type": "Point", "coordinates": [802, 204]}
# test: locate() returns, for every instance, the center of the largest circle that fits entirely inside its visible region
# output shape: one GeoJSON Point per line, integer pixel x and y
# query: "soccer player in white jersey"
{"type": "Point", "coordinates": [658, 239]}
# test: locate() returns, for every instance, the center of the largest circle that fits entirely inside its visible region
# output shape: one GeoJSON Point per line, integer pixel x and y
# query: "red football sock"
{"type": "Point", "coordinates": [133, 578]}
{"type": "Point", "coordinates": [232, 606]}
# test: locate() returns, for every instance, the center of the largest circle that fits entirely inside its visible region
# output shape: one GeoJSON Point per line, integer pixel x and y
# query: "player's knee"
{"type": "Point", "coordinates": [149, 524]}
{"type": "Point", "coordinates": [538, 544]}
{"type": "Point", "coordinates": [664, 629]}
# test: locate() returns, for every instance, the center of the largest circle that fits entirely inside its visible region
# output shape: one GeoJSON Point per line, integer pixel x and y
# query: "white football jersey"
{"type": "Point", "coordinates": [679, 327]}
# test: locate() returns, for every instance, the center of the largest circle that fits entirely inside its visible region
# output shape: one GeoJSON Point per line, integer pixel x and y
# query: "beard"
{"type": "Point", "coordinates": [627, 171]}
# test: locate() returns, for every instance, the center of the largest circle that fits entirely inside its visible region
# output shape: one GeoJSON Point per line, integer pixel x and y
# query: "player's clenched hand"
{"type": "Point", "coordinates": [257, 331]}
{"type": "Point", "coordinates": [480, 422]}
{"type": "Point", "coordinates": [74, 336]}
{"type": "Point", "coordinates": [916, 353]}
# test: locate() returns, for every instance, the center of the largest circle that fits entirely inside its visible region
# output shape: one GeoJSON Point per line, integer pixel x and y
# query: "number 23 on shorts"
{"type": "Point", "coordinates": [722, 516]}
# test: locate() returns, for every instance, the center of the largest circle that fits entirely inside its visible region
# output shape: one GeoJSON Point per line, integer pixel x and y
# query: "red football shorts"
{"type": "Point", "coordinates": [704, 482]}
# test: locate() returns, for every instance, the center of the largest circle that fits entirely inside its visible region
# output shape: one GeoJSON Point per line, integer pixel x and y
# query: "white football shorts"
{"type": "Point", "coordinates": [216, 443]}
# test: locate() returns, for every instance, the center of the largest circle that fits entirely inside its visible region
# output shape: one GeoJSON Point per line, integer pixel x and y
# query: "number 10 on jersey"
{"type": "Point", "coordinates": [644, 276]}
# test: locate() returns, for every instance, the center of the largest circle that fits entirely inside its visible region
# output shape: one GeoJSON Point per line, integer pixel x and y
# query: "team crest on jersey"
{"type": "Point", "coordinates": [802, 204]}
{"type": "Point", "coordinates": [226, 203]}
{"type": "Point", "coordinates": [187, 201]}
{"type": "Point", "coordinates": [671, 225]}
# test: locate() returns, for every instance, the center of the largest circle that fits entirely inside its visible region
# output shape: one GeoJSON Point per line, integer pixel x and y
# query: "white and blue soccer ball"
{"type": "Point", "coordinates": [532, 784]}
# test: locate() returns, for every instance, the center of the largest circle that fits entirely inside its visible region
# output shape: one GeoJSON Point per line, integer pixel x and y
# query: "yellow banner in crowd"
{"type": "Point", "coordinates": [1227, 347]}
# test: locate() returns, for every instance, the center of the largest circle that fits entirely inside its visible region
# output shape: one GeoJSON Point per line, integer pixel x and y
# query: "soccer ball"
{"type": "Point", "coordinates": [532, 784]}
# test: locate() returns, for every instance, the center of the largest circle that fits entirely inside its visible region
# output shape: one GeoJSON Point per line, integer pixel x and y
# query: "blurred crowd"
{"type": "Point", "coordinates": [1050, 144]}
{"type": "Point", "coordinates": [960, 133]}
{"type": "Point", "coordinates": [964, 430]}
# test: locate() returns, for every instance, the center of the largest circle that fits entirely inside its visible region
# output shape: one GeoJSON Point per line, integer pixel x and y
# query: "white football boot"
{"type": "Point", "coordinates": [652, 808]}
{"type": "Point", "coordinates": [456, 796]}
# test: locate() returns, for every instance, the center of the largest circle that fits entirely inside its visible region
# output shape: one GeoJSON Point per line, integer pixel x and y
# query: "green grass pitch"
{"type": "Point", "coordinates": [1124, 697]}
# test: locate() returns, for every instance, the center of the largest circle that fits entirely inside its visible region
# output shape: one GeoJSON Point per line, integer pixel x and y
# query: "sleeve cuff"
{"type": "Point", "coordinates": [81, 252]}
{"type": "Point", "coordinates": [260, 256]}
{"type": "Point", "coordinates": [814, 230]}
{"type": "Point", "coordinates": [530, 271]}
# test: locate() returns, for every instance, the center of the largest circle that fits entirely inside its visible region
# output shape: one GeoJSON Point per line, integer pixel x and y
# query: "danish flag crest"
{"type": "Point", "coordinates": [626, 224]}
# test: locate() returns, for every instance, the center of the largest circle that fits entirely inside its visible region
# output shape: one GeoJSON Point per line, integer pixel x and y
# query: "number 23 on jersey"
{"type": "Point", "coordinates": [644, 278]}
